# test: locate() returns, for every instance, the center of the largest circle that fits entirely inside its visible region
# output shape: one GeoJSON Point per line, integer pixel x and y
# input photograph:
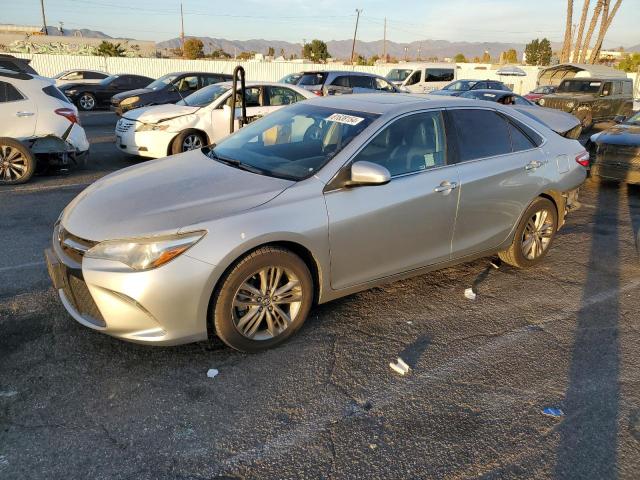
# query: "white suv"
{"type": "Point", "coordinates": [38, 125]}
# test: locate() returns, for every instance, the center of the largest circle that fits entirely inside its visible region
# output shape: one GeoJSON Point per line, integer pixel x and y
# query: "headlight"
{"type": "Point", "coordinates": [148, 127]}
{"type": "Point", "coordinates": [541, 101]}
{"type": "Point", "coordinates": [570, 105]}
{"type": "Point", "coordinates": [129, 100]}
{"type": "Point", "coordinates": [145, 253]}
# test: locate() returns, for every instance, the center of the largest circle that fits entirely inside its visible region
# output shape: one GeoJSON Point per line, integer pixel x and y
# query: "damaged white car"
{"type": "Point", "coordinates": [200, 119]}
{"type": "Point", "coordinates": [38, 127]}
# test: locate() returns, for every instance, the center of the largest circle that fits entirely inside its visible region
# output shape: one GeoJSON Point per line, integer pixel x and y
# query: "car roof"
{"type": "Point", "coordinates": [381, 103]}
{"type": "Point", "coordinates": [189, 72]}
{"type": "Point", "coordinates": [340, 72]}
{"type": "Point", "coordinates": [501, 93]}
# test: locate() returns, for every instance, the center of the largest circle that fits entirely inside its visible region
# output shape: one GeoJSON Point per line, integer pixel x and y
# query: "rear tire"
{"type": "Point", "coordinates": [87, 102]}
{"type": "Point", "coordinates": [17, 163]}
{"type": "Point", "coordinates": [186, 141]}
{"type": "Point", "coordinates": [534, 235]}
{"type": "Point", "coordinates": [262, 300]}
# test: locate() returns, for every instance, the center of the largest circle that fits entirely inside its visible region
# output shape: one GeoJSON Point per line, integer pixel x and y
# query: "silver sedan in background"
{"type": "Point", "coordinates": [313, 202]}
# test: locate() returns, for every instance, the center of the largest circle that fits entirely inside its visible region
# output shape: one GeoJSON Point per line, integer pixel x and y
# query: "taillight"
{"type": "Point", "coordinates": [68, 114]}
{"type": "Point", "coordinates": [318, 92]}
{"type": "Point", "coordinates": [583, 158]}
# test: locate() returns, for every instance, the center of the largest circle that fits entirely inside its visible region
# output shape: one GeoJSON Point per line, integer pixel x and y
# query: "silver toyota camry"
{"type": "Point", "coordinates": [313, 202]}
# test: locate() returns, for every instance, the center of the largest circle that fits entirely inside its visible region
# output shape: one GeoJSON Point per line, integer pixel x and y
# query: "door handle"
{"type": "Point", "coordinates": [533, 165]}
{"type": "Point", "coordinates": [446, 187]}
{"type": "Point", "coordinates": [24, 114]}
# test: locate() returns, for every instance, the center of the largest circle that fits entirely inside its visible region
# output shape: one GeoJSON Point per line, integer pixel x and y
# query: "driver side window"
{"type": "Point", "coordinates": [187, 84]}
{"type": "Point", "coordinates": [414, 78]}
{"type": "Point", "coordinates": [410, 144]}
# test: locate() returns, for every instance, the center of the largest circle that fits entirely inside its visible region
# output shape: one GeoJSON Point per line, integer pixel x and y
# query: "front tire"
{"type": "Point", "coordinates": [87, 102]}
{"type": "Point", "coordinates": [187, 140]}
{"type": "Point", "coordinates": [534, 235]}
{"type": "Point", "coordinates": [17, 163]}
{"type": "Point", "coordinates": [263, 300]}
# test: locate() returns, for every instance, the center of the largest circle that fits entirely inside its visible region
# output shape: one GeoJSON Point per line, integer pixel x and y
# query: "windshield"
{"type": "Point", "coordinates": [398, 74]}
{"type": "Point", "coordinates": [579, 86]}
{"type": "Point", "coordinates": [204, 96]}
{"type": "Point", "coordinates": [162, 82]}
{"type": "Point", "coordinates": [545, 89]}
{"type": "Point", "coordinates": [634, 120]}
{"type": "Point", "coordinates": [310, 79]}
{"type": "Point", "coordinates": [461, 85]}
{"type": "Point", "coordinates": [291, 79]}
{"type": "Point", "coordinates": [294, 142]}
{"type": "Point", "coordinates": [108, 80]}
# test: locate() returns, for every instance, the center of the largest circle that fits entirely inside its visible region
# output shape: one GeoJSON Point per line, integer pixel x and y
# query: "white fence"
{"type": "Point", "coordinates": [49, 65]}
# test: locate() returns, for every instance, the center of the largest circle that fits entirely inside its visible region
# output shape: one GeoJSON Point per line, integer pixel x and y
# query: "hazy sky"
{"type": "Point", "coordinates": [293, 20]}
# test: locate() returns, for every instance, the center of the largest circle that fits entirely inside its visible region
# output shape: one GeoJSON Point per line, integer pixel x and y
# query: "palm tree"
{"type": "Point", "coordinates": [592, 27]}
{"type": "Point", "coordinates": [607, 18]}
{"type": "Point", "coordinates": [583, 21]}
{"type": "Point", "coordinates": [566, 46]}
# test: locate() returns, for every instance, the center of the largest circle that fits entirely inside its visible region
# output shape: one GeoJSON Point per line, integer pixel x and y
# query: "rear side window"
{"type": "Point", "coordinates": [95, 76]}
{"type": "Point", "coordinates": [362, 81]}
{"type": "Point", "coordinates": [52, 91]}
{"type": "Point", "coordinates": [211, 79]}
{"type": "Point", "coordinates": [627, 88]}
{"type": "Point", "coordinates": [480, 134]}
{"type": "Point", "coordinates": [438, 75]}
{"type": "Point", "coordinates": [342, 81]}
{"type": "Point", "coordinates": [519, 141]}
{"type": "Point", "coordinates": [9, 93]}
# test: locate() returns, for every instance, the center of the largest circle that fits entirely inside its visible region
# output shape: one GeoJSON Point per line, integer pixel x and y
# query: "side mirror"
{"type": "Point", "coordinates": [367, 173]}
{"type": "Point", "coordinates": [619, 118]}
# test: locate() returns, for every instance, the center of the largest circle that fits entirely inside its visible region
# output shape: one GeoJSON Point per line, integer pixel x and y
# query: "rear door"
{"type": "Point", "coordinates": [382, 230]}
{"type": "Point", "coordinates": [18, 113]}
{"type": "Point", "coordinates": [501, 170]}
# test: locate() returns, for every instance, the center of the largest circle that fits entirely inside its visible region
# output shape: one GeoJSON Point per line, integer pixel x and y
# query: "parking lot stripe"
{"type": "Point", "coordinates": [20, 267]}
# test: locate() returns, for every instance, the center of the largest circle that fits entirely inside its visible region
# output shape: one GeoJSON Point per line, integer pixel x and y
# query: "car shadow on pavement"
{"type": "Point", "coordinates": [633, 197]}
{"type": "Point", "coordinates": [588, 435]}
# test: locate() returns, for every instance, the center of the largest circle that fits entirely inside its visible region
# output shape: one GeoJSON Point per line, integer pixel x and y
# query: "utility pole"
{"type": "Point", "coordinates": [304, 42]}
{"type": "Point", "coordinates": [384, 42]}
{"type": "Point", "coordinates": [182, 29]}
{"type": "Point", "coordinates": [353, 46]}
{"type": "Point", "coordinates": [44, 19]}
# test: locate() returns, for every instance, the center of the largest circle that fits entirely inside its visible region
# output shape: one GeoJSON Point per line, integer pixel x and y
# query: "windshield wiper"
{"type": "Point", "coordinates": [235, 163]}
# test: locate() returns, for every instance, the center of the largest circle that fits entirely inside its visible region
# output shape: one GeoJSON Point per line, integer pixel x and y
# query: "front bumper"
{"type": "Point", "coordinates": [148, 144]}
{"type": "Point", "coordinates": [164, 306]}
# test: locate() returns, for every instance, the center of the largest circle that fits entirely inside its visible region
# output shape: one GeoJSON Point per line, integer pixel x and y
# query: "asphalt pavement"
{"type": "Point", "coordinates": [564, 335]}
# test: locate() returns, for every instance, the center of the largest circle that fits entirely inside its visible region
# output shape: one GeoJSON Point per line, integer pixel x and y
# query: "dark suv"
{"type": "Point", "coordinates": [592, 99]}
{"type": "Point", "coordinates": [169, 88]}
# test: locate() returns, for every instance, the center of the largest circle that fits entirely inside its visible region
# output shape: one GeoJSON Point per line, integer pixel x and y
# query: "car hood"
{"type": "Point", "coordinates": [162, 196]}
{"type": "Point", "coordinates": [622, 134]}
{"type": "Point", "coordinates": [556, 120]}
{"type": "Point", "coordinates": [570, 96]}
{"type": "Point", "coordinates": [130, 93]}
{"type": "Point", "coordinates": [158, 113]}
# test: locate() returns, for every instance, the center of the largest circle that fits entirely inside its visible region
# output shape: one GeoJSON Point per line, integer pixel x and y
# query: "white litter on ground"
{"type": "Point", "coordinates": [400, 367]}
{"type": "Point", "coordinates": [470, 294]}
{"type": "Point", "coordinates": [8, 393]}
{"type": "Point", "coordinates": [212, 373]}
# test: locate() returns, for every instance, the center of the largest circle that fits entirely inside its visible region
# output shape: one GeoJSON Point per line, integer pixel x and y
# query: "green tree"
{"type": "Point", "coordinates": [108, 49]}
{"type": "Point", "coordinates": [246, 55]}
{"type": "Point", "coordinates": [630, 63]}
{"type": "Point", "coordinates": [219, 53]}
{"type": "Point", "coordinates": [460, 58]}
{"type": "Point", "coordinates": [374, 59]}
{"type": "Point", "coordinates": [532, 52]}
{"type": "Point", "coordinates": [271, 52]}
{"type": "Point", "coordinates": [510, 56]}
{"type": "Point", "coordinates": [316, 50]}
{"type": "Point", "coordinates": [486, 57]}
{"type": "Point", "coordinates": [544, 52]}
{"type": "Point", "coordinates": [193, 48]}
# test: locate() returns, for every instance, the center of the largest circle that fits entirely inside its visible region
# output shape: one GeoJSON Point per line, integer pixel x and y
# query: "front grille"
{"type": "Point", "coordinates": [123, 126]}
{"type": "Point", "coordinates": [73, 246]}
{"type": "Point", "coordinates": [78, 294]}
{"type": "Point", "coordinates": [555, 103]}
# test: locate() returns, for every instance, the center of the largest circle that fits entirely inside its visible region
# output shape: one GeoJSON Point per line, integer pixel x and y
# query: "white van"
{"type": "Point", "coordinates": [422, 78]}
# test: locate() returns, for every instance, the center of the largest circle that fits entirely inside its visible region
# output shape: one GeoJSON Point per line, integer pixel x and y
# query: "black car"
{"type": "Point", "coordinates": [615, 152]}
{"type": "Point", "coordinates": [498, 96]}
{"type": "Point", "coordinates": [457, 87]}
{"type": "Point", "coordinates": [9, 62]}
{"type": "Point", "coordinates": [92, 96]}
{"type": "Point", "coordinates": [169, 88]}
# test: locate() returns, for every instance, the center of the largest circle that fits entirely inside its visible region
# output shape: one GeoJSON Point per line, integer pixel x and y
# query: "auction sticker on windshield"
{"type": "Point", "coordinates": [342, 118]}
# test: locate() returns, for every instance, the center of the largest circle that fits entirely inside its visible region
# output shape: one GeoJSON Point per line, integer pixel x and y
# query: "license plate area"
{"type": "Point", "coordinates": [55, 269]}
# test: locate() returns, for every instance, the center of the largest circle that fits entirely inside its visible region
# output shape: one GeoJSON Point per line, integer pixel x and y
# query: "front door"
{"type": "Point", "coordinates": [501, 170]}
{"type": "Point", "coordinates": [378, 231]}
{"type": "Point", "coordinates": [18, 113]}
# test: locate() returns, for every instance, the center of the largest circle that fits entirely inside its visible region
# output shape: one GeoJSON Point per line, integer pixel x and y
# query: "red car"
{"type": "Point", "coordinates": [539, 92]}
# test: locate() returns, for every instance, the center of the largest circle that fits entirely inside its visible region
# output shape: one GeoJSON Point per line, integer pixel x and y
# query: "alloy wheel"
{"type": "Point", "coordinates": [537, 234]}
{"type": "Point", "coordinates": [87, 102]}
{"type": "Point", "coordinates": [267, 303]}
{"type": "Point", "coordinates": [13, 165]}
{"type": "Point", "coordinates": [191, 142]}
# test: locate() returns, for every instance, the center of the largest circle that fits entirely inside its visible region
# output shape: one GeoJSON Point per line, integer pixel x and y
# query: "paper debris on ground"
{"type": "Point", "coordinates": [212, 373]}
{"type": "Point", "coordinates": [400, 367]}
{"type": "Point", "coordinates": [470, 294]}
{"type": "Point", "coordinates": [553, 412]}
